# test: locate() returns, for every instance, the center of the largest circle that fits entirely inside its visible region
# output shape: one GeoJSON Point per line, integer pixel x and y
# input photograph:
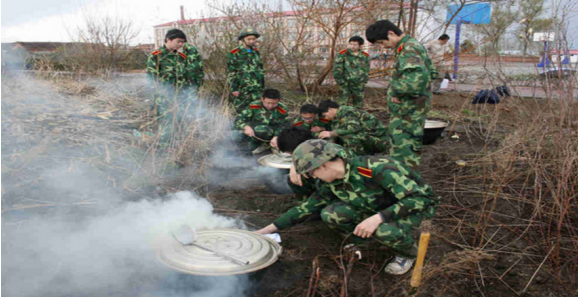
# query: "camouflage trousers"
{"type": "Point", "coordinates": [173, 112]}
{"type": "Point", "coordinates": [406, 124]}
{"type": "Point", "coordinates": [351, 94]}
{"type": "Point", "coordinates": [262, 132]}
{"type": "Point", "coordinates": [364, 145]}
{"type": "Point", "coordinates": [305, 191]}
{"type": "Point", "coordinates": [396, 235]}
{"type": "Point", "coordinates": [245, 97]}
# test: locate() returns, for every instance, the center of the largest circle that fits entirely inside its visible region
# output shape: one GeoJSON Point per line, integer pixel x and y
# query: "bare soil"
{"type": "Point", "coordinates": [455, 265]}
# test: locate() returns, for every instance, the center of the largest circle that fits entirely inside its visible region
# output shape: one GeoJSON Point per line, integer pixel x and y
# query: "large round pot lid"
{"type": "Point", "coordinates": [279, 161]}
{"type": "Point", "coordinates": [258, 250]}
{"type": "Point", "coordinates": [429, 124]}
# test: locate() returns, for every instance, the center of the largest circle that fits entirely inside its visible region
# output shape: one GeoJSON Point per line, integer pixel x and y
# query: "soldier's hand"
{"type": "Point", "coordinates": [325, 134]}
{"type": "Point", "coordinates": [395, 100]}
{"type": "Point", "coordinates": [294, 177]}
{"type": "Point", "coordinates": [274, 143]}
{"type": "Point", "coordinates": [367, 227]}
{"type": "Point", "coordinates": [248, 131]}
{"type": "Point", "coordinates": [235, 93]}
{"type": "Point", "coordinates": [267, 230]}
{"type": "Point", "coordinates": [316, 129]}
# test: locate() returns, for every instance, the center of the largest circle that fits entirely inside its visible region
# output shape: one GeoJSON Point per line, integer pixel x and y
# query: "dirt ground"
{"type": "Point", "coordinates": [455, 265]}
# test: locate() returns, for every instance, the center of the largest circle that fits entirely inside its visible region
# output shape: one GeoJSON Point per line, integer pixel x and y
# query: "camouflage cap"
{"type": "Point", "coordinates": [248, 31]}
{"type": "Point", "coordinates": [311, 154]}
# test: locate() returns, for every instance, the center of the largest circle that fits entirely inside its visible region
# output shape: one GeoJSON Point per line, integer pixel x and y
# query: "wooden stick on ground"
{"type": "Point", "coordinates": [314, 278]}
{"type": "Point", "coordinates": [417, 270]}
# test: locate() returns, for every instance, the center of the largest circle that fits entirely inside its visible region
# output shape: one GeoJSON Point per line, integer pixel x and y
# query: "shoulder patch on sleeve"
{"type": "Point", "coordinates": [254, 107]}
{"type": "Point", "coordinates": [365, 53]}
{"type": "Point", "coordinates": [183, 55]}
{"type": "Point", "coordinates": [156, 52]}
{"type": "Point", "coordinates": [282, 110]}
{"type": "Point", "coordinates": [324, 120]}
{"type": "Point", "coordinates": [365, 172]}
{"type": "Point", "coordinates": [235, 51]}
{"type": "Point", "coordinates": [298, 123]}
{"type": "Point", "coordinates": [343, 52]}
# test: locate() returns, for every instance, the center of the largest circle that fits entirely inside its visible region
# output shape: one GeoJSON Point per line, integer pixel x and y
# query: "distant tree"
{"type": "Point", "coordinates": [502, 18]}
{"type": "Point", "coordinates": [530, 11]}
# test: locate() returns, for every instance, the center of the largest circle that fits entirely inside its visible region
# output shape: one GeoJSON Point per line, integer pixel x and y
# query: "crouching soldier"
{"type": "Point", "coordinates": [301, 185]}
{"type": "Point", "coordinates": [262, 121]}
{"type": "Point", "coordinates": [310, 121]}
{"type": "Point", "coordinates": [364, 198]}
{"type": "Point", "coordinates": [358, 130]}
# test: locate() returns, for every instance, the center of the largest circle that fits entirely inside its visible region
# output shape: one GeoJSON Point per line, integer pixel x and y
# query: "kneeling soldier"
{"type": "Point", "coordinates": [262, 121]}
{"type": "Point", "coordinates": [310, 121]}
{"type": "Point", "coordinates": [358, 130]}
{"type": "Point", "coordinates": [372, 197]}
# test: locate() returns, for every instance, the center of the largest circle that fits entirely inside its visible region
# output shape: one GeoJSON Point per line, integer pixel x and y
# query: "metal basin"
{"type": "Point", "coordinates": [278, 161]}
{"type": "Point", "coordinates": [432, 130]}
{"type": "Point", "coordinates": [259, 250]}
{"type": "Point", "coordinates": [277, 181]}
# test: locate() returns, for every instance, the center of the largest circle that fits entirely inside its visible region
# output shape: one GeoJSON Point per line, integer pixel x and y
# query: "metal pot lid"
{"type": "Point", "coordinates": [430, 124]}
{"type": "Point", "coordinates": [279, 161]}
{"type": "Point", "coordinates": [259, 250]}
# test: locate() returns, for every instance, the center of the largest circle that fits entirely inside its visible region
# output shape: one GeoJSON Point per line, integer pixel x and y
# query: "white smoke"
{"type": "Point", "coordinates": [109, 254]}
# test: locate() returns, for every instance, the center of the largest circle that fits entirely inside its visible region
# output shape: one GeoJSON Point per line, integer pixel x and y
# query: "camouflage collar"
{"type": "Point", "coordinates": [401, 42]}
{"type": "Point", "coordinates": [347, 171]}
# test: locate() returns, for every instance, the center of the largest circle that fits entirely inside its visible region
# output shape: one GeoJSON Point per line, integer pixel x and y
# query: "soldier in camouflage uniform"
{"type": "Point", "coordinates": [364, 198]}
{"type": "Point", "coordinates": [289, 139]}
{"type": "Point", "coordinates": [263, 119]}
{"type": "Point", "coordinates": [310, 121]}
{"type": "Point", "coordinates": [409, 92]}
{"type": "Point", "coordinates": [357, 129]}
{"type": "Point", "coordinates": [245, 72]}
{"type": "Point", "coordinates": [351, 73]}
{"type": "Point", "coordinates": [177, 76]}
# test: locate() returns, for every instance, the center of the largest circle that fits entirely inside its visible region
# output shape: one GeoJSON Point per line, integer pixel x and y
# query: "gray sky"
{"type": "Point", "coordinates": [57, 20]}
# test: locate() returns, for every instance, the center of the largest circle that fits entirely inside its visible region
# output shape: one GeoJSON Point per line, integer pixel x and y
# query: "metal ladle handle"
{"type": "Point", "coordinates": [220, 254]}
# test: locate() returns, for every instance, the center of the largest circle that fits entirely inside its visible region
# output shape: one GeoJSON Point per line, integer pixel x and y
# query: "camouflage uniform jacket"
{"type": "Point", "coordinates": [172, 67]}
{"type": "Point", "coordinates": [255, 114]}
{"type": "Point", "coordinates": [245, 70]}
{"type": "Point", "coordinates": [371, 184]}
{"type": "Point", "coordinates": [351, 69]}
{"type": "Point", "coordinates": [319, 121]}
{"type": "Point", "coordinates": [350, 121]}
{"type": "Point", "coordinates": [195, 73]}
{"type": "Point", "coordinates": [413, 70]}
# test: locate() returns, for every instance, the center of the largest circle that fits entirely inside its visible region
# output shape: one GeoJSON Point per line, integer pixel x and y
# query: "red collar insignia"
{"type": "Point", "coordinates": [365, 172]}
{"type": "Point", "coordinates": [298, 123]}
{"type": "Point", "coordinates": [255, 107]}
{"type": "Point", "coordinates": [281, 110]}
{"type": "Point", "coordinates": [183, 55]}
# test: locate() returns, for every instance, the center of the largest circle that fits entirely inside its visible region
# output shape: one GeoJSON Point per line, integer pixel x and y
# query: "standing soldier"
{"type": "Point", "coordinates": [245, 70]}
{"type": "Point", "coordinates": [351, 73]}
{"type": "Point", "coordinates": [364, 198]}
{"type": "Point", "coordinates": [438, 49]}
{"type": "Point", "coordinates": [409, 93]}
{"type": "Point", "coordinates": [358, 130]}
{"type": "Point", "coordinates": [177, 76]}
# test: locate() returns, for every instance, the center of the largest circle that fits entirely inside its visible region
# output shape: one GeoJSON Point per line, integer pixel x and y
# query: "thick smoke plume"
{"type": "Point", "coordinates": [68, 226]}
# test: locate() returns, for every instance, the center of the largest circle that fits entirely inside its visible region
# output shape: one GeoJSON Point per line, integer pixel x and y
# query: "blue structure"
{"type": "Point", "coordinates": [479, 13]}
